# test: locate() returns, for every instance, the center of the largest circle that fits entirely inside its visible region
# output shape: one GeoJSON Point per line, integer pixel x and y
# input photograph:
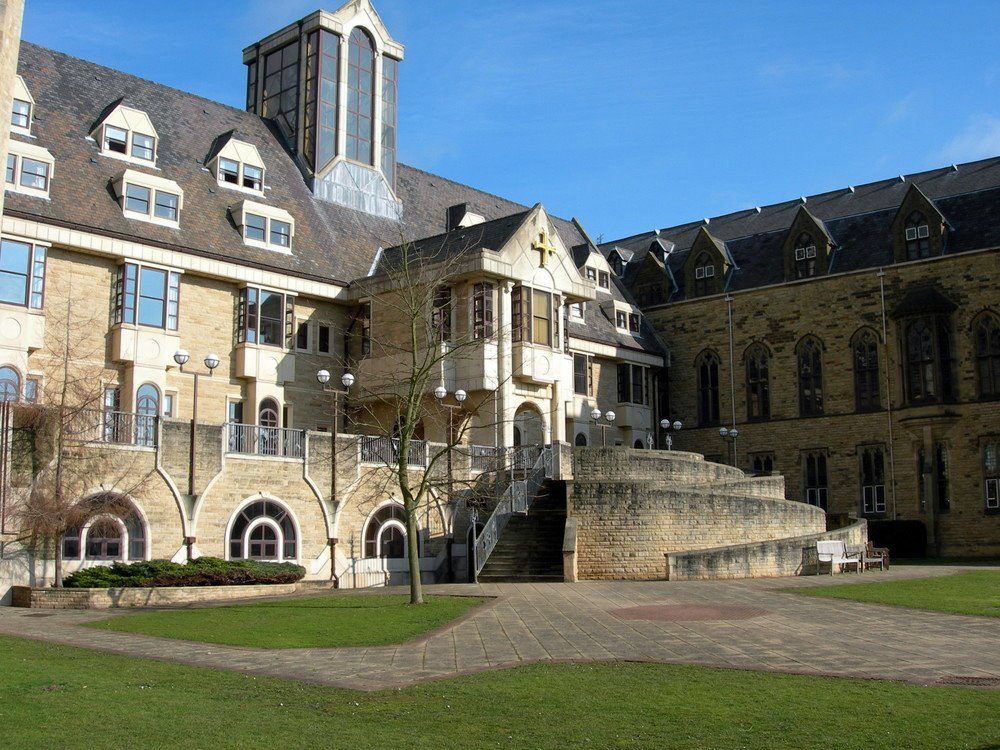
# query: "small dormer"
{"type": "Point", "coordinates": [236, 165]}
{"type": "Point", "coordinates": [23, 109]}
{"type": "Point", "coordinates": [128, 134]}
{"type": "Point", "coordinates": [706, 266]}
{"type": "Point", "coordinates": [807, 247]}
{"type": "Point", "coordinates": [918, 231]}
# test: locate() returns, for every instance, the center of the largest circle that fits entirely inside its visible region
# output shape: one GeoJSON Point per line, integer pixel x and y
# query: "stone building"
{"type": "Point", "coordinates": [852, 340]}
{"type": "Point", "coordinates": [141, 222]}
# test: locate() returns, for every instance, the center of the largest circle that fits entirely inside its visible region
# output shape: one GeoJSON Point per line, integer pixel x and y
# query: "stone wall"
{"type": "Point", "coordinates": [632, 506]}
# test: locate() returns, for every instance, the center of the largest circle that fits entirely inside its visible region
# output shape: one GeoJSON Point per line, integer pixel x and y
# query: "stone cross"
{"type": "Point", "coordinates": [543, 247]}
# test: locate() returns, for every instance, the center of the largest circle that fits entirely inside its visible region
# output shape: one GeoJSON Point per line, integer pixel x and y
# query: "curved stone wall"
{"type": "Point", "coordinates": [632, 507]}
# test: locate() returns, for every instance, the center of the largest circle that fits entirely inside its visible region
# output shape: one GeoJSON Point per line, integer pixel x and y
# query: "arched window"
{"type": "Point", "coordinates": [107, 537]}
{"type": "Point", "coordinates": [928, 360]}
{"type": "Point", "coordinates": [263, 530]}
{"type": "Point", "coordinates": [10, 384]}
{"type": "Point", "coordinates": [987, 337]}
{"type": "Point", "coordinates": [810, 361]}
{"type": "Point", "coordinates": [704, 275]}
{"type": "Point", "coordinates": [385, 532]}
{"type": "Point", "coordinates": [147, 408]}
{"type": "Point", "coordinates": [917, 237]}
{"type": "Point", "coordinates": [758, 383]}
{"type": "Point", "coordinates": [864, 348]}
{"type": "Point", "coordinates": [707, 368]}
{"type": "Point", "coordinates": [805, 256]}
{"type": "Point", "coordinates": [360, 97]}
{"type": "Point", "coordinates": [104, 540]}
{"type": "Point", "coordinates": [872, 465]}
{"type": "Point", "coordinates": [581, 439]}
{"type": "Point", "coordinates": [267, 418]}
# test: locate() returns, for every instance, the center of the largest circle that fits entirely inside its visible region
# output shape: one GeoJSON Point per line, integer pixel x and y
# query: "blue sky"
{"type": "Point", "coordinates": [628, 115]}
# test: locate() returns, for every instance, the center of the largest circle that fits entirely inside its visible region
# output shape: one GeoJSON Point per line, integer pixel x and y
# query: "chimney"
{"type": "Point", "coordinates": [459, 216]}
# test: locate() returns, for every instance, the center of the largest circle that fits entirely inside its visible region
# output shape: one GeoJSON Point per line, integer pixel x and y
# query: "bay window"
{"type": "Point", "coordinates": [265, 317]}
{"type": "Point", "coordinates": [22, 273]}
{"type": "Point", "coordinates": [147, 296]}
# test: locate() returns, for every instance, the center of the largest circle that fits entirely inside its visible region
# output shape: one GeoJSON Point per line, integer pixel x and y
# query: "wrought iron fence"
{"type": "Point", "coordinates": [254, 440]}
{"type": "Point", "coordinates": [114, 427]}
{"type": "Point", "coordinates": [385, 451]}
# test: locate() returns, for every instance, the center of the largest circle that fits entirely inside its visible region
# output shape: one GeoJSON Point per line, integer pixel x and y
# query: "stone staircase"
{"type": "Point", "coordinates": [530, 548]}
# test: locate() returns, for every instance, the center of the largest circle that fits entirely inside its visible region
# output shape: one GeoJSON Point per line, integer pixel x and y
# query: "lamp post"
{"type": "Point", "coordinates": [211, 361]}
{"type": "Point", "coordinates": [666, 425]}
{"type": "Point", "coordinates": [323, 376]}
{"type": "Point", "coordinates": [730, 435]}
{"type": "Point", "coordinates": [439, 393]}
{"type": "Point", "coordinates": [610, 417]}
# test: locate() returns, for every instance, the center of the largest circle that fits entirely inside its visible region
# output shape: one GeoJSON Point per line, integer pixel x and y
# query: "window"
{"type": "Point", "coordinates": [991, 475]}
{"type": "Point", "coordinates": [21, 114]}
{"type": "Point", "coordinates": [263, 530]}
{"type": "Point", "coordinates": [758, 383]}
{"type": "Point", "coordinates": [323, 346]}
{"type": "Point", "coordinates": [390, 78]}
{"type": "Point", "coordinates": [22, 273]}
{"type": "Point", "coordinates": [281, 90]}
{"type": "Point", "coordinates": [541, 318]}
{"type": "Point", "coordinates": [264, 226]}
{"type": "Point", "coordinates": [927, 343]}
{"type": "Point", "coordinates": [147, 410]}
{"type": "Point", "coordinates": [866, 372]}
{"type": "Point", "coordinates": [360, 97]}
{"type": "Point", "coordinates": [633, 385]}
{"type": "Point", "coordinates": [591, 273]}
{"type": "Point", "coordinates": [150, 198]}
{"type": "Point", "coordinates": [142, 146]}
{"type": "Point", "coordinates": [814, 468]}
{"type": "Point", "coordinates": [633, 322]}
{"type": "Point", "coordinates": [917, 235]}
{"type": "Point", "coordinates": [366, 329]}
{"type": "Point", "coordinates": [10, 384]}
{"type": "Point", "coordinates": [31, 386]}
{"type": "Point", "coordinates": [583, 374]}
{"type": "Point", "coordinates": [603, 280]}
{"type": "Point", "coordinates": [937, 468]}
{"type": "Point", "coordinates": [482, 311]}
{"type": "Point", "coordinates": [264, 316]}
{"type": "Point", "coordinates": [147, 296]}
{"type": "Point", "coordinates": [385, 533]}
{"type": "Point", "coordinates": [621, 319]}
{"type": "Point", "coordinates": [441, 314]}
{"type": "Point", "coordinates": [128, 134]}
{"type": "Point", "coordinates": [987, 338]}
{"type": "Point", "coordinates": [29, 169]}
{"type": "Point", "coordinates": [238, 166]}
{"type": "Point", "coordinates": [322, 85]}
{"type": "Point", "coordinates": [810, 361]}
{"type": "Point", "coordinates": [108, 538]}
{"type": "Point", "coordinates": [805, 257]}
{"type": "Point", "coordinates": [707, 372]}
{"type": "Point", "coordinates": [872, 465]}
{"type": "Point", "coordinates": [302, 336]}
{"type": "Point", "coordinates": [576, 310]}
{"type": "Point", "coordinates": [268, 439]}
{"type": "Point", "coordinates": [115, 140]}
{"type": "Point", "coordinates": [762, 463]}
{"type": "Point", "coordinates": [704, 273]}
{"type": "Point", "coordinates": [532, 318]}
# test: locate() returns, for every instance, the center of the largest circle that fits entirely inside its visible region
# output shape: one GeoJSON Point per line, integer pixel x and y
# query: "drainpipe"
{"type": "Point", "coordinates": [732, 378]}
{"type": "Point", "coordinates": [888, 394]}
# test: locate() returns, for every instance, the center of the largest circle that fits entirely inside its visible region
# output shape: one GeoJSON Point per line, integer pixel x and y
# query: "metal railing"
{"type": "Point", "coordinates": [485, 458]}
{"type": "Point", "coordinates": [498, 458]}
{"type": "Point", "coordinates": [114, 427]}
{"type": "Point", "coordinates": [254, 440]}
{"type": "Point", "coordinates": [515, 499]}
{"type": "Point", "coordinates": [385, 451]}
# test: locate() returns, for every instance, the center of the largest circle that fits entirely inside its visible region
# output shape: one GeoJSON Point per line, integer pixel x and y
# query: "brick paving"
{"type": "Point", "coordinates": [577, 622]}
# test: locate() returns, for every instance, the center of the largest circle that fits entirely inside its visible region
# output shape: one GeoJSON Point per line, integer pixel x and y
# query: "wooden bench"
{"type": "Point", "coordinates": [836, 553]}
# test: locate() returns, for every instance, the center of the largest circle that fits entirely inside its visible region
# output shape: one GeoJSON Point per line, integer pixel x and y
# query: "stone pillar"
{"type": "Point", "coordinates": [11, 12]}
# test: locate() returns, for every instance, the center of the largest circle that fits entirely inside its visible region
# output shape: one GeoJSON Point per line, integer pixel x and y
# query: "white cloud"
{"type": "Point", "coordinates": [979, 139]}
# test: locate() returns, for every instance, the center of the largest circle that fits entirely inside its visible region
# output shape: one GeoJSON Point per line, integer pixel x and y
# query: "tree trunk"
{"type": "Point", "coordinates": [413, 554]}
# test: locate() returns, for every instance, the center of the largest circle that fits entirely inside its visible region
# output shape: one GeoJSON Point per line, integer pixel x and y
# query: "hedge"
{"type": "Point", "coordinates": [202, 571]}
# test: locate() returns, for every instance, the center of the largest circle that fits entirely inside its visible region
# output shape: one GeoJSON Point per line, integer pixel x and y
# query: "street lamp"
{"type": "Point", "coordinates": [439, 393]}
{"type": "Point", "coordinates": [730, 435]}
{"type": "Point", "coordinates": [211, 361]}
{"type": "Point", "coordinates": [610, 417]}
{"type": "Point", "coordinates": [666, 425]}
{"type": "Point", "coordinates": [347, 380]}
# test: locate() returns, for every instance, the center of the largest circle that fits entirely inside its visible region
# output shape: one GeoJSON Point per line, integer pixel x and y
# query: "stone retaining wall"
{"type": "Point", "coordinates": [778, 557]}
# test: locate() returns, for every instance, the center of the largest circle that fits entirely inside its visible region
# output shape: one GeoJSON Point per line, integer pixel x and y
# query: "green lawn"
{"type": "Point", "coordinates": [316, 622]}
{"type": "Point", "coordinates": [974, 592]}
{"type": "Point", "coordinates": [56, 696]}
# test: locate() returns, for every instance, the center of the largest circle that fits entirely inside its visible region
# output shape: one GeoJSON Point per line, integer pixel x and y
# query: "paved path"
{"type": "Point", "coordinates": [555, 621]}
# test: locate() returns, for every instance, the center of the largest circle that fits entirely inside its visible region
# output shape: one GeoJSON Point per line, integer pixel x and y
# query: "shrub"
{"type": "Point", "coordinates": [203, 571]}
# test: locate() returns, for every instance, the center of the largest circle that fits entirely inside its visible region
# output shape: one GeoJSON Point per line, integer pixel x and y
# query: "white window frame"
{"type": "Point", "coordinates": [132, 122]}
{"type": "Point", "coordinates": [245, 156]}
{"type": "Point", "coordinates": [20, 151]}
{"type": "Point", "coordinates": [271, 214]}
{"type": "Point", "coordinates": [155, 185]}
{"type": "Point", "coordinates": [21, 94]}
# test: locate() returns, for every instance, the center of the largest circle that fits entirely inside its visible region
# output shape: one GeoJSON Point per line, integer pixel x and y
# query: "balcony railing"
{"type": "Point", "coordinates": [254, 440]}
{"type": "Point", "coordinates": [385, 451]}
{"type": "Point", "coordinates": [114, 427]}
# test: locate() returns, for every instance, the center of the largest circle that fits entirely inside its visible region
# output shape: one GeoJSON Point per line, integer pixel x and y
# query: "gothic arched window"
{"type": "Point", "coordinates": [987, 340]}
{"type": "Point", "coordinates": [810, 362]}
{"type": "Point", "coordinates": [758, 383]}
{"type": "Point", "coordinates": [864, 349]}
{"type": "Point", "coordinates": [707, 373]}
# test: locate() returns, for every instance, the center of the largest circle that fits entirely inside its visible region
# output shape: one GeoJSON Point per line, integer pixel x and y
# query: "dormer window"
{"type": "Point", "coordinates": [29, 169]}
{"type": "Point", "coordinates": [603, 280]}
{"type": "Point", "coordinates": [576, 310]}
{"type": "Point", "coordinates": [704, 271]}
{"type": "Point", "coordinates": [591, 274]}
{"type": "Point", "coordinates": [633, 322]}
{"type": "Point", "coordinates": [128, 134]}
{"type": "Point", "coordinates": [149, 198]}
{"type": "Point", "coordinates": [805, 257]}
{"type": "Point", "coordinates": [917, 237]}
{"type": "Point", "coordinates": [238, 166]}
{"type": "Point", "coordinates": [267, 227]}
{"type": "Point", "coordinates": [20, 115]}
{"type": "Point", "coordinates": [621, 319]}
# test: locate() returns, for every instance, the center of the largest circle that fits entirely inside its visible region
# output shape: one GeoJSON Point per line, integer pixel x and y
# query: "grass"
{"type": "Point", "coordinates": [974, 592]}
{"type": "Point", "coordinates": [315, 622]}
{"type": "Point", "coordinates": [57, 696]}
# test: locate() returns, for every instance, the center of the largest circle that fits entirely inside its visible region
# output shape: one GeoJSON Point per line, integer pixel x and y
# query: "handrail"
{"type": "Point", "coordinates": [255, 440]}
{"type": "Point", "coordinates": [516, 498]}
{"type": "Point", "coordinates": [113, 427]}
{"type": "Point", "coordinates": [385, 451]}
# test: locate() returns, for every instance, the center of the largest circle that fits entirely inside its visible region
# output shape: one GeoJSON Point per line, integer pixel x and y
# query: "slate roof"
{"type": "Point", "coordinates": [859, 222]}
{"type": "Point", "coordinates": [331, 243]}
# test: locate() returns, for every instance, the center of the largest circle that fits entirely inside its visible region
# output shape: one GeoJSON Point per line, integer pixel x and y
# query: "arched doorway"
{"type": "Point", "coordinates": [267, 418]}
{"type": "Point", "coordinates": [147, 408]}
